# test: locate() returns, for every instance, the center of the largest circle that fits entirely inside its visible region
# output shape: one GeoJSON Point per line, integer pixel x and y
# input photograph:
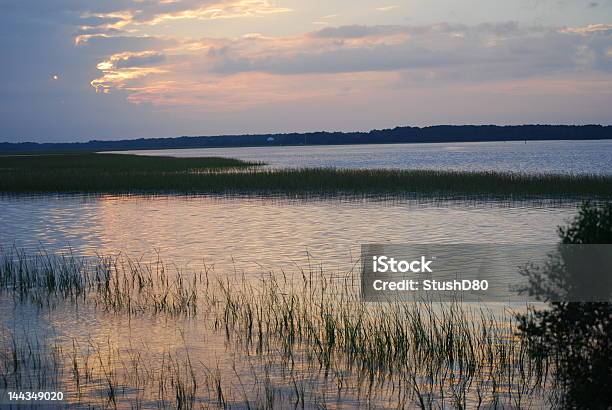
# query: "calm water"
{"type": "Point", "coordinates": [250, 235]}
{"type": "Point", "coordinates": [257, 234]}
{"type": "Point", "coordinates": [591, 157]}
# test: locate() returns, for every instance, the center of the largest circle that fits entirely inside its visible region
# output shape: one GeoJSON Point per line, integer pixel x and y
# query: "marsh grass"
{"type": "Point", "coordinates": [309, 338]}
{"type": "Point", "coordinates": [118, 284]}
{"type": "Point", "coordinates": [115, 163]}
{"type": "Point", "coordinates": [98, 375]}
{"type": "Point", "coordinates": [439, 353]}
{"type": "Point", "coordinates": [128, 174]}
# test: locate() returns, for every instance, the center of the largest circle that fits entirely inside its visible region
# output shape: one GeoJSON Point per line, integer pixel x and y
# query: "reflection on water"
{"type": "Point", "coordinates": [257, 234]}
{"type": "Point", "coordinates": [246, 234]}
{"type": "Point", "coordinates": [572, 157]}
{"type": "Point", "coordinates": [241, 343]}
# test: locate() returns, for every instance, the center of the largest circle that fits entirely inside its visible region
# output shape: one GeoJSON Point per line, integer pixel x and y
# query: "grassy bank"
{"type": "Point", "coordinates": [112, 163]}
{"type": "Point", "coordinates": [124, 174]}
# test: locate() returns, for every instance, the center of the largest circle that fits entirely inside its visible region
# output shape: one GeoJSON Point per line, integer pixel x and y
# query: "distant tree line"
{"type": "Point", "coordinates": [438, 133]}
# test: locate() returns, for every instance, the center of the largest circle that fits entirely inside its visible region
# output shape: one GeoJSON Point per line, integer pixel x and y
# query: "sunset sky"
{"type": "Point", "coordinates": [76, 70]}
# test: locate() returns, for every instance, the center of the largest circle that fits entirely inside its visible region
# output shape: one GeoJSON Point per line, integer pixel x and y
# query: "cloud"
{"type": "Point", "coordinates": [137, 14]}
{"type": "Point", "coordinates": [387, 8]}
{"type": "Point", "coordinates": [354, 31]}
{"type": "Point", "coordinates": [244, 91]}
{"type": "Point", "coordinates": [591, 28]}
{"type": "Point", "coordinates": [37, 42]}
{"type": "Point", "coordinates": [130, 60]}
{"type": "Point", "coordinates": [146, 57]}
{"type": "Point", "coordinates": [483, 51]}
{"type": "Point", "coordinates": [220, 10]}
{"type": "Point", "coordinates": [124, 67]}
{"type": "Point", "coordinates": [213, 73]}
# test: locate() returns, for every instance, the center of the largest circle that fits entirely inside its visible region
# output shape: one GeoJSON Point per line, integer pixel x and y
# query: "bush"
{"type": "Point", "coordinates": [576, 336]}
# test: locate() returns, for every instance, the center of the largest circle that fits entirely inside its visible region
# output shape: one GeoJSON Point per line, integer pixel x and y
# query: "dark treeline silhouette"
{"type": "Point", "coordinates": [438, 133]}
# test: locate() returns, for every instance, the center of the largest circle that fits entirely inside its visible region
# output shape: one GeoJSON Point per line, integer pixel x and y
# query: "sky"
{"type": "Point", "coordinates": [76, 70]}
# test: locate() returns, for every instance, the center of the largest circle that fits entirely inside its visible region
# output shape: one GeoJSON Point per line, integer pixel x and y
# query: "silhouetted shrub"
{"type": "Point", "coordinates": [576, 336]}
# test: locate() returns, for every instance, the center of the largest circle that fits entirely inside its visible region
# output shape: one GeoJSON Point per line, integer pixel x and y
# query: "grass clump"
{"type": "Point", "coordinates": [118, 284]}
{"type": "Point", "coordinates": [431, 354]}
{"type": "Point", "coordinates": [126, 174]}
{"type": "Point", "coordinates": [114, 163]}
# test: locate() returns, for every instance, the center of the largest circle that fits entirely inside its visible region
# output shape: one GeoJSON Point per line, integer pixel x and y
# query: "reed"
{"type": "Point", "coordinates": [331, 345]}
{"type": "Point", "coordinates": [115, 163]}
{"type": "Point", "coordinates": [118, 284]}
{"type": "Point", "coordinates": [112, 173]}
{"type": "Point", "coordinates": [441, 351]}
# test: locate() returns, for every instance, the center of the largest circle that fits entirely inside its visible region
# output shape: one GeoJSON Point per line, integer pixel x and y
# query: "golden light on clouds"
{"type": "Point", "coordinates": [222, 10]}
{"type": "Point", "coordinates": [591, 28]}
{"type": "Point", "coordinates": [242, 66]}
{"type": "Point", "coordinates": [159, 53]}
{"type": "Point", "coordinates": [387, 8]}
{"type": "Point", "coordinates": [119, 78]}
{"type": "Point", "coordinates": [123, 67]}
{"type": "Point", "coordinates": [128, 70]}
{"type": "Point", "coordinates": [136, 21]}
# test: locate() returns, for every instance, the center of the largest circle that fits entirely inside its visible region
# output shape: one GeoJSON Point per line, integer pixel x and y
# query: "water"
{"type": "Point", "coordinates": [255, 234]}
{"type": "Point", "coordinates": [572, 157]}
{"type": "Point", "coordinates": [244, 235]}
{"type": "Point", "coordinates": [252, 235]}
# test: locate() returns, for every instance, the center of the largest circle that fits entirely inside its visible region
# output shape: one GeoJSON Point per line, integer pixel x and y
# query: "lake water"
{"type": "Point", "coordinates": [256, 235]}
{"type": "Point", "coordinates": [235, 234]}
{"type": "Point", "coordinates": [573, 157]}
